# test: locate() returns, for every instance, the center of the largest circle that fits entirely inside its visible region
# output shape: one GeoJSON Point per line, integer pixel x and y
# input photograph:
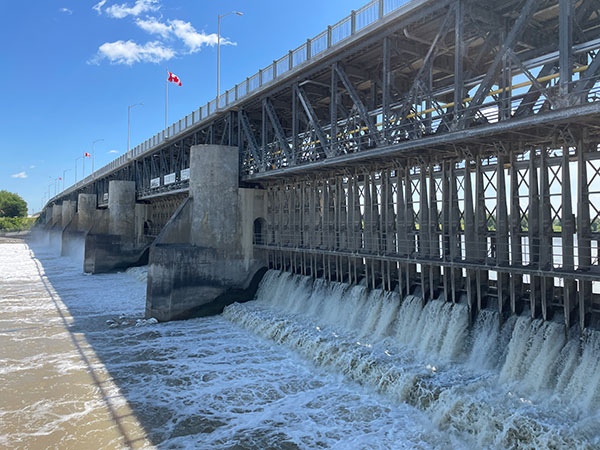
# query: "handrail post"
{"type": "Point", "coordinates": [236, 92]}
{"type": "Point", "coordinates": [329, 37]}
{"type": "Point", "coordinates": [260, 72]}
{"type": "Point", "coordinates": [291, 61]}
{"type": "Point", "coordinates": [308, 53]}
{"type": "Point", "coordinates": [274, 69]}
{"type": "Point", "coordinates": [381, 9]}
{"type": "Point", "coordinates": [353, 22]}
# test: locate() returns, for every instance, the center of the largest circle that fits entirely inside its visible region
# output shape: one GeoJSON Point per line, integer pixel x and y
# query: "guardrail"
{"type": "Point", "coordinates": [371, 13]}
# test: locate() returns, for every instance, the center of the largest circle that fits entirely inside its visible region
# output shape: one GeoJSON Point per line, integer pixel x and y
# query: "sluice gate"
{"type": "Point", "coordinates": [493, 227]}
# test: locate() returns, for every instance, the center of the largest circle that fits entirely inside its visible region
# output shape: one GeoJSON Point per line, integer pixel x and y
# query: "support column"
{"type": "Point", "coordinates": [121, 208]}
{"type": "Point", "coordinates": [68, 212]}
{"type": "Point", "coordinates": [217, 264]}
{"type": "Point", "coordinates": [568, 230]}
{"type": "Point", "coordinates": [546, 232]}
{"type": "Point", "coordinates": [584, 251]}
{"type": "Point", "coordinates": [86, 209]}
{"type": "Point", "coordinates": [502, 250]}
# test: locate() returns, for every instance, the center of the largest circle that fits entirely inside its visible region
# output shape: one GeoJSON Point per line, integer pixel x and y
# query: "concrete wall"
{"type": "Point", "coordinates": [48, 215]}
{"type": "Point", "coordinates": [121, 207]}
{"type": "Point", "coordinates": [86, 211]}
{"type": "Point", "coordinates": [178, 229]}
{"type": "Point", "coordinates": [214, 188]}
{"type": "Point", "coordinates": [142, 212]}
{"type": "Point", "coordinates": [253, 205]}
{"type": "Point", "coordinates": [56, 214]}
{"type": "Point", "coordinates": [68, 212]}
{"type": "Point", "coordinates": [203, 260]}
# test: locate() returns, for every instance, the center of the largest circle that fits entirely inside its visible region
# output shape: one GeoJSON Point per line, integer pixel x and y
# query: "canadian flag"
{"type": "Point", "coordinates": [174, 78]}
{"type": "Point", "coordinates": [87, 155]}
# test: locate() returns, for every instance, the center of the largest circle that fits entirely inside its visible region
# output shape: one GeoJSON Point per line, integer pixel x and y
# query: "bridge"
{"type": "Point", "coordinates": [434, 147]}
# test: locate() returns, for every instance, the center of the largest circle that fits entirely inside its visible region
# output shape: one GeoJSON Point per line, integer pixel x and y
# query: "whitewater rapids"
{"type": "Point", "coordinates": [522, 386]}
{"type": "Point", "coordinates": [70, 380]}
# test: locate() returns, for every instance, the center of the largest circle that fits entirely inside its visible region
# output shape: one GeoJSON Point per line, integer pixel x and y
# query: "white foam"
{"type": "Point", "coordinates": [507, 387]}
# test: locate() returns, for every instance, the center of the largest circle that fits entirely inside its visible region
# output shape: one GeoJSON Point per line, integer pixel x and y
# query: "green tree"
{"type": "Point", "coordinates": [12, 205]}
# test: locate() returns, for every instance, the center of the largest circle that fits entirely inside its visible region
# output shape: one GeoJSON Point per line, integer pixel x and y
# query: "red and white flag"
{"type": "Point", "coordinates": [174, 78]}
{"type": "Point", "coordinates": [87, 155]}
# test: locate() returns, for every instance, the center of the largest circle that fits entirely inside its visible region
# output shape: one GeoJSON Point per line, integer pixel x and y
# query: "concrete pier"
{"type": "Point", "coordinates": [74, 233]}
{"type": "Point", "coordinates": [111, 244]}
{"type": "Point", "coordinates": [203, 260]}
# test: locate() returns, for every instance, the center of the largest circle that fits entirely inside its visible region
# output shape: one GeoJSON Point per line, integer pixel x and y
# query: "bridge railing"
{"type": "Point", "coordinates": [371, 13]}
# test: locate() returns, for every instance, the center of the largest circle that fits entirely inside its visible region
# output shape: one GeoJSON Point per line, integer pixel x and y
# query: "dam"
{"type": "Point", "coordinates": [413, 146]}
{"type": "Point", "coordinates": [410, 199]}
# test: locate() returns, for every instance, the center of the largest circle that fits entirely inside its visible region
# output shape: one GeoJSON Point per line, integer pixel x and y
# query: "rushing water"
{"type": "Point", "coordinates": [308, 364]}
{"type": "Point", "coordinates": [525, 385]}
{"type": "Point", "coordinates": [76, 372]}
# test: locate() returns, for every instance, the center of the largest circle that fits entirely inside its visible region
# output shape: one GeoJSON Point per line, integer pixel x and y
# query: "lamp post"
{"type": "Point", "coordinates": [129, 122]}
{"type": "Point", "coordinates": [237, 13]}
{"type": "Point", "coordinates": [63, 180]}
{"type": "Point", "coordinates": [93, 157]}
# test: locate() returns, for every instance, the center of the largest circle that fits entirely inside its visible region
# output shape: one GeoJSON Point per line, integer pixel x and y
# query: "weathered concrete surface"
{"type": "Point", "coordinates": [56, 214]}
{"type": "Point", "coordinates": [68, 212]}
{"type": "Point", "coordinates": [73, 235]}
{"type": "Point", "coordinates": [189, 281]}
{"type": "Point", "coordinates": [108, 252]}
{"type": "Point", "coordinates": [55, 229]}
{"type": "Point", "coordinates": [111, 242]}
{"type": "Point", "coordinates": [142, 212]}
{"type": "Point", "coordinates": [203, 260]}
{"type": "Point", "coordinates": [121, 208]}
{"type": "Point", "coordinates": [86, 211]}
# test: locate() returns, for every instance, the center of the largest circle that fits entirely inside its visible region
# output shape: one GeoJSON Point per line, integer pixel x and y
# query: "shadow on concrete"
{"type": "Point", "coordinates": [139, 360]}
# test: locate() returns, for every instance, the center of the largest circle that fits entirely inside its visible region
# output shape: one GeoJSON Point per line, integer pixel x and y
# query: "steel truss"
{"type": "Point", "coordinates": [450, 68]}
{"type": "Point", "coordinates": [492, 226]}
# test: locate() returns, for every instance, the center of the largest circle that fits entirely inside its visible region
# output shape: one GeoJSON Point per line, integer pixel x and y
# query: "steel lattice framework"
{"type": "Point", "coordinates": [449, 147]}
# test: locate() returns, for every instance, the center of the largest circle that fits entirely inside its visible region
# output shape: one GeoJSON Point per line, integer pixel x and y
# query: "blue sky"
{"type": "Point", "coordinates": [70, 68]}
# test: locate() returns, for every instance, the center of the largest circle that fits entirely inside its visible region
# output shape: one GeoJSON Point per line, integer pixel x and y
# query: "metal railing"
{"type": "Point", "coordinates": [372, 243]}
{"type": "Point", "coordinates": [369, 14]}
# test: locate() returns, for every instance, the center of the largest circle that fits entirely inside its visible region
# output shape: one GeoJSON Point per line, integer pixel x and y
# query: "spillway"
{"type": "Point", "coordinates": [520, 386]}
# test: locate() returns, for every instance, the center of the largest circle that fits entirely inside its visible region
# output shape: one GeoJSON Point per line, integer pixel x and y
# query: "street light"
{"type": "Point", "coordinates": [237, 13]}
{"type": "Point", "coordinates": [129, 122]}
{"type": "Point", "coordinates": [93, 157]}
{"type": "Point", "coordinates": [63, 180]}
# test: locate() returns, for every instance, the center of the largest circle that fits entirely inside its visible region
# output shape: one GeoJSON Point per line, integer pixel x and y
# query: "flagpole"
{"type": "Point", "coordinates": [166, 100]}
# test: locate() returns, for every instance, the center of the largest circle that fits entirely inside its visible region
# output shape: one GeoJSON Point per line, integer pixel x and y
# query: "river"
{"type": "Point", "coordinates": [306, 365]}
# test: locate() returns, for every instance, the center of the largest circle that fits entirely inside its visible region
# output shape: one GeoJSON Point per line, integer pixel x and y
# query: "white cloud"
{"type": "Point", "coordinates": [98, 6]}
{"type": "Point", "coordinates": [129, 52]}
{"type": "Point", "coordinates": [66, 11]}
{"type": "Point", "coordinates": [185, 31]}
{"type": "Point", "coordinates": [124, 10]}
{"type": "Point", "coordinates": [19, 175]}
{"type": "Point", "coordinates": [32, 167]}
{"type": "Point", "coordinates": [153, 26]}
{"type": "Point", "coordinates": [113, 151]}
{"type": "Point", "coordinates": [191, 38]}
